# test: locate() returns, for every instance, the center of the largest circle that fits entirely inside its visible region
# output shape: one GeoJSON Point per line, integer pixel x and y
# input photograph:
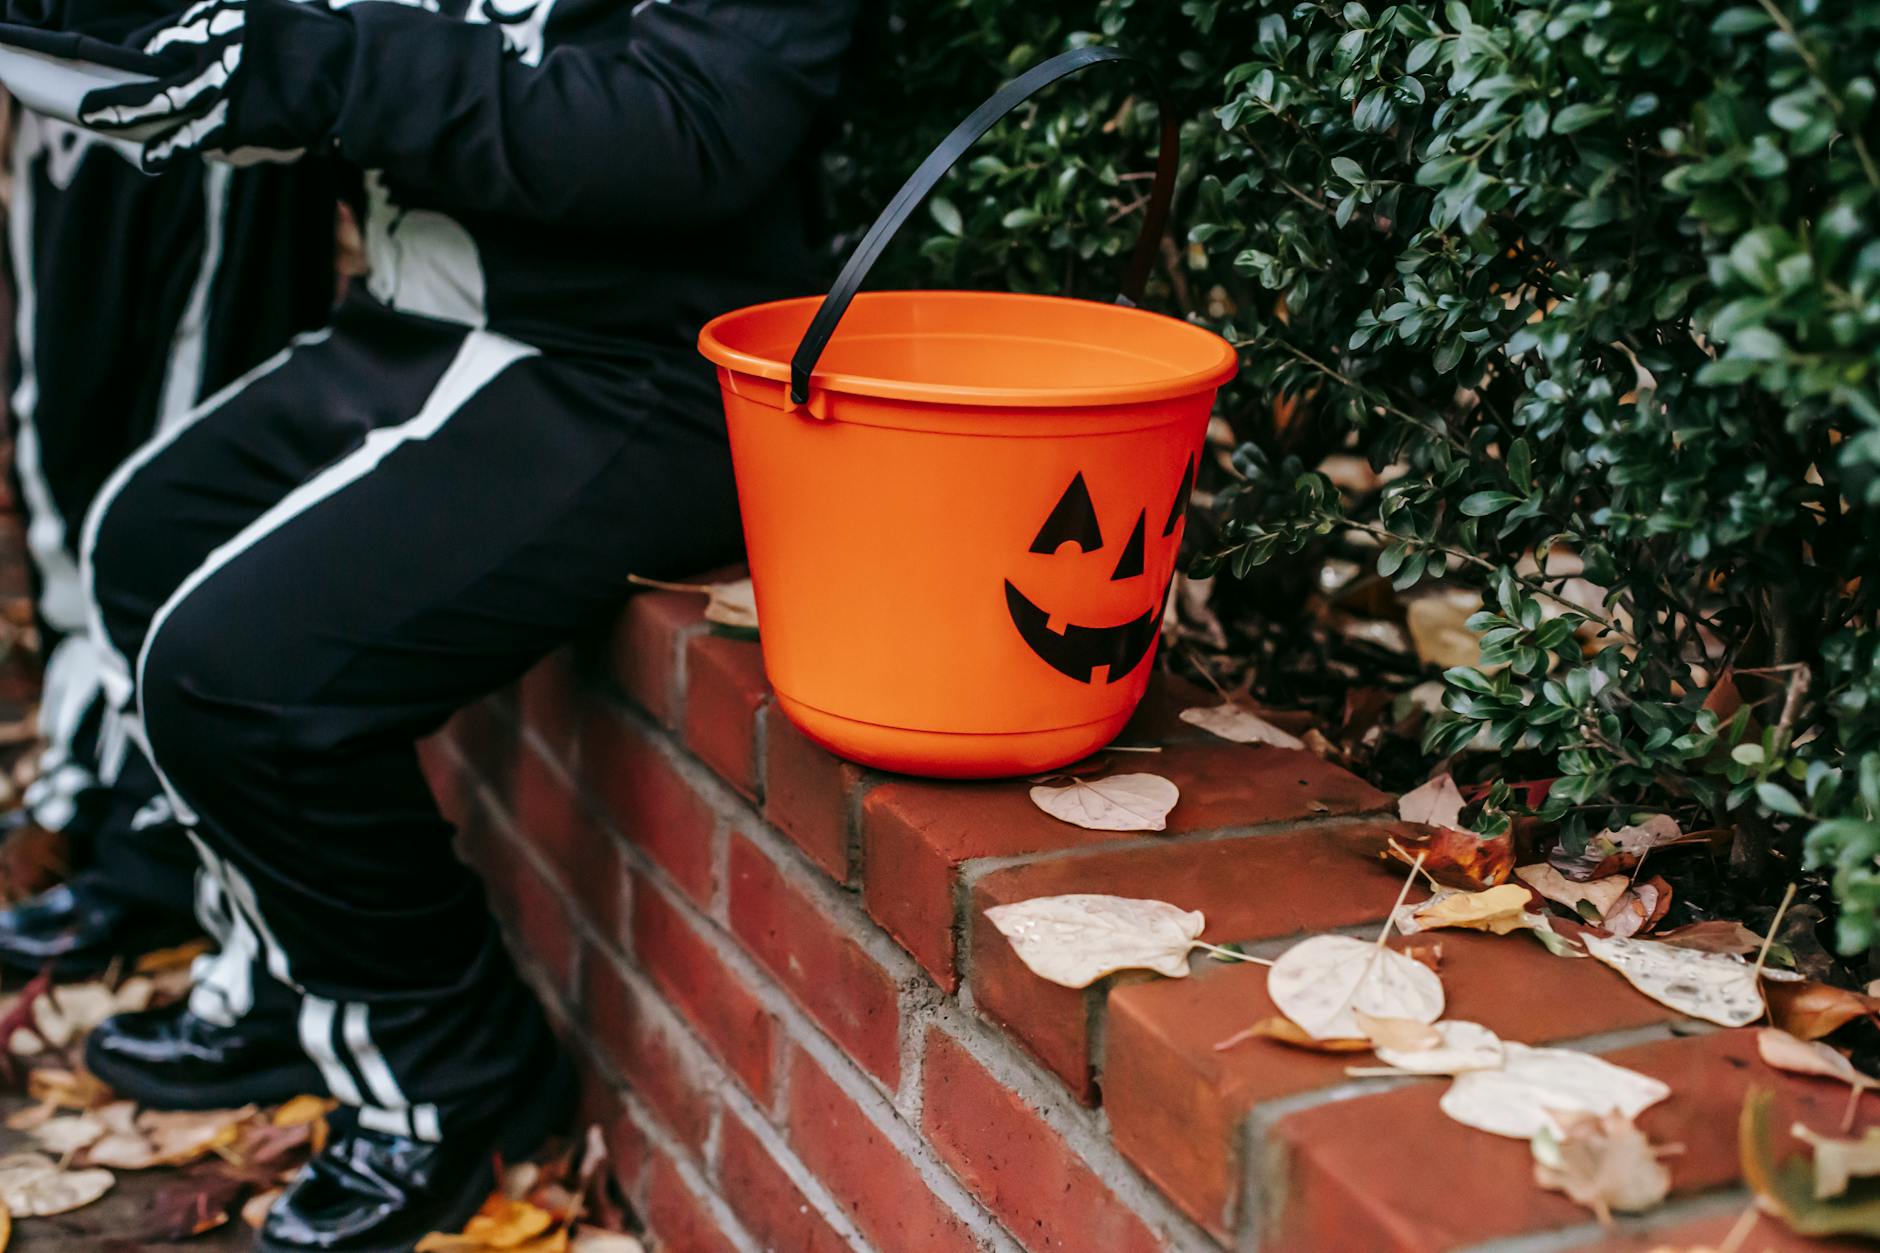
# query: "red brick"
{"type": "Point", "coordinates": [1176, 1106]}
{"type": "Point", "coordinates": [810, 951]}
{"type": "Point", "coordinates": [645, 649]}
{"type": "Point", "coordinates": [724, 689]}
{"type": "Point", "coordinates": [486, 737]}
{"type": "Point", "coordinates": [767, 1202]}
{"type": "Point", "coordinates": [807, 794]}
{"type": "Point", "coordinates": [1347, 1184]}
{"type": "Point", "coordinates": [878, 1187]}
{"type": "Point", "coordinates": [627, 1148]}
{"type": "Point", "coordinates": [535, 909]}
{"type": "Point", "coordinates": [691, 975]}
{"type": "Point", "coordinates": [654, 1061]}
{"type": "Point", "coordinates": [549, 703]}
{"type": "Point", "coordinates": [915, 835]}
{"type": "Point", "coordinates": [678, 1219]}
{"type": "Point", "coordinates": [1315, 878]}
{"type": "Point", "coordinates": [585, 859]}
{"type": "Point", "coordinates": [1015, 1163]}
{"type": "Point", "coordinates": [649, 802]}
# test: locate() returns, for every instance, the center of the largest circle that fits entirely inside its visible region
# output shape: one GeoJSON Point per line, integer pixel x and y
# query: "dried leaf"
{"type": "Point", "coordinates": [1319, 982]}
{"type": "Point", "coordinates": [732, 604]}
{"type": "Point", "coordinates": [1838, 1161]}
{"type": "Point", "coordinates": [68, 1134]}
{"type": "Point", "coordinates": [1283, 1030]}
{"type": "Point", "coordinates": [596, 1240]}
{"type": "Point", "coordinates": [1121, 802]}
{"type": "Point", "coordinates": [1808, 1057]}
{"type": "Point", "coordinates": [67, 1089]}
{"type": "Point", "coordinates": [200, 1202]}
{"type": "Point", "coordinates": [1439, 628]}
{"type": "Point", "coordinates": [1716, 987]}
{"type": "Point", "coordinates": [1077, 939]}
{"type": "Point", "coordinates": [302, 1109]}
{"type": "Point", "coordinates": [1461, 1047]}
{"type": "Point", "coordinates": [1603, 1162]}
{"type": "Point", "coordinates": [1787, 1189]}
{"type": "Point", "coordinates": [1618, 851]}
{"type": "Point", "coordinates": [1536, 1086]}
{"type": "Point", "coordinates": [1639, 909]}
{"type": "Point", "coordinates": [1812, 1010]}
{"type": "Point", "coordinates": [1242, 726]}
{"type": "Point", "coordinates": [1437, 803]}
{"type": "Point", "coordinates": [1598, 896]}
{"type": "Point", "coordinates": [33, 1186]}
{"type": "Point", "coordinates": [1405, 1035]}
{"type": "Point", "coordinates": [500, 1224]}
{"type": "Point", "coordinates": [70, 1010]}
{"type": "Point", "coordinates": [1712, 937]}
{"type": "Point", "coordinates": [1458, 859]}
{"type": "Point", "coordinates": [1499, 910]}
{"type": "Point", "coordinates": [255, 1208]}
{"type": "Point", "coordinates": [163, 960]}
{"type": "Point", "coordinates": [6, 1229]}
{"type": "Point", "coordinates": [1541, 927]}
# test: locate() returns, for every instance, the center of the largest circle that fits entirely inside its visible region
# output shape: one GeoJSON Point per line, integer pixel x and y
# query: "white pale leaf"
{"type": "Point", "coordinates": [732, 604]}
{"type": "Point", "coordinates": [1533, 1085]}
{"type": "Point", "coordinates": [1601, 894]}
{"type": "Point", "coordinates": [1076, 940]}
{"type": "Point", "coordinates": [1466, 1046]}
{"type": "Point", "coordinates": [33, 1186]}
{"type": "Point", "coordinates": [1122, 802]}
{"type": "Point", "coordinates": [1437, 803]}
{"type": "Point", "coordinates": [1716, 987]}
{"type": "Point", "coordinates": [1319, 982]}
{"type": "Point", "coordinates": [1242, 726]}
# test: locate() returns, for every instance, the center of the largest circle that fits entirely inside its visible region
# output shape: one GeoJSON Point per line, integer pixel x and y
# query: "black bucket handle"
{"type": "Point", "coordinates": [964, 136]}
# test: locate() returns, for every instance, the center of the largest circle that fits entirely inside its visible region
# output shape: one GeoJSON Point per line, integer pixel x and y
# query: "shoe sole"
{"type": "Point", "coordinates": [267, 1087]}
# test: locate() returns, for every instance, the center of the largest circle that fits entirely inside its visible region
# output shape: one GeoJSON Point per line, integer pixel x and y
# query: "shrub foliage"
{"type": "Point", "coordinates": [1596, 281]}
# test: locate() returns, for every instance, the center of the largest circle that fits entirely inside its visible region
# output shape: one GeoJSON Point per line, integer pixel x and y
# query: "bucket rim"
{"type": "Point", "coordinates": [721, 354]}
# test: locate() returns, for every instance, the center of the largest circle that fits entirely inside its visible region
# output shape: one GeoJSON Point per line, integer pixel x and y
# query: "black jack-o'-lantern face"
{"type": "Point", "coordinates": [1079, 650]}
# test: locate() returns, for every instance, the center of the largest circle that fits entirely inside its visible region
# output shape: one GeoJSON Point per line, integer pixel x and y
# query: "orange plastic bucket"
{"type": "Point", "coordinates": [963, 509]}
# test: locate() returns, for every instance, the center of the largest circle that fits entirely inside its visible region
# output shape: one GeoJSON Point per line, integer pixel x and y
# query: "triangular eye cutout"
{"type": "Point", "coordinates": [1181, 500]}
{"type": "Point", "coordinates": [1129, 565]}
{"type": "Point", "coordinates": [1074, 518]}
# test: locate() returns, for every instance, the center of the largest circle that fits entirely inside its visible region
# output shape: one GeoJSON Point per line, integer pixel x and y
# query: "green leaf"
{"type": "Point", "coordinates": [946, 215]}
{"type": "Point", "coordinates": [1577, 117]}
{"type": "Point", "coordinates": [1779, 799]}
{"type": "Point", "coordinates": [1481, 504]}
{"type": "Point", "coordinates": [1021, 219]}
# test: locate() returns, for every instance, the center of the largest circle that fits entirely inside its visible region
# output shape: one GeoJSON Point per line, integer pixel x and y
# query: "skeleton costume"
{"type": "Point", "coordinates": [404, 513]}
{"type": "Point", "coordinates": [135, 298]}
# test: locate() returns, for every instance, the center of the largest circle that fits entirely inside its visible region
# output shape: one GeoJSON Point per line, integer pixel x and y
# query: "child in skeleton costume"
{"type": "Point", "coordinates": [310, 575]}
{"type": "Point", "coordinates": [135, 298]}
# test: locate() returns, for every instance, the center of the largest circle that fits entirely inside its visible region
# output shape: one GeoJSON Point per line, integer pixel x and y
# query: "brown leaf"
{"type": "Point", "coordinates": [1640, 908]}
{"type": "Point", "coordinates": [1618, 851]}
{"type": "Point", "coordinates": [67, 1089]}
{"type": "Point", "coordinates": [1587, 901]}
{"type": "Point", "coordinates": [1284, 1030]}
{"type": "Point", "coordinates": [161, 960]}
{"type": "Point", "coordinates": [1713, 937]}
{"type": "Point", "coordinates": [199, 1202]}
{"type": "Point", "coordinates": [1601, 1161]}
{"type": "Point", "coordinates": [1457, 859]}
{"type": "Point", "coordinates": [1812, 1010]}
{"type": "Point", "coordinates": [502, 1223]}
{"type": "Point", "coordinates": [1808, 1057]}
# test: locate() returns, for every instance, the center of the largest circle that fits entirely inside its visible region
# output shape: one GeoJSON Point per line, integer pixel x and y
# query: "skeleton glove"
{"type": "Point", "coordinates": [186, 108]}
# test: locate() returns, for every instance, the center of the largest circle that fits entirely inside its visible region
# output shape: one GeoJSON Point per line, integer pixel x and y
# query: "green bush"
{"type": "Point", "coordinates": [1600, 278]}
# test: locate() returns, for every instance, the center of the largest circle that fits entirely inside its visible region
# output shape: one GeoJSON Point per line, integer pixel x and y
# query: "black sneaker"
{"type": "Point", "coordinates": [373, 1192]}
{"type": "Point", "coordinates": [171, 1059]}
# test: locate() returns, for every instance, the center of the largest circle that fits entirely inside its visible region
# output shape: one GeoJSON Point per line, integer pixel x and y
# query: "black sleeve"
{"type": "Point", "coordinates": [688, 117]}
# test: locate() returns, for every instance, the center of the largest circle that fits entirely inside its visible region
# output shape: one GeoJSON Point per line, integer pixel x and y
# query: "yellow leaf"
{"type": "Point", "coordinates": [1499, 909]}
{"type": "Point", "coordinates": [303, 1109]}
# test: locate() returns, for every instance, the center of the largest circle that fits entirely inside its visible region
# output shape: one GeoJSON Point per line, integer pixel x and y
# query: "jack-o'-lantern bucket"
{"type": "Point", "coordinates": [962, 509]}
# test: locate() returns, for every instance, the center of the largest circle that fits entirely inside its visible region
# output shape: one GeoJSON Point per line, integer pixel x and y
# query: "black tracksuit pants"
{"type": "Point", "coordinates": [385, 523]}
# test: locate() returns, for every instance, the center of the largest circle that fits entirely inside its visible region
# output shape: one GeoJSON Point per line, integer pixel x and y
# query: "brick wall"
{"type": "Point", "coordinates": [802, 1034]}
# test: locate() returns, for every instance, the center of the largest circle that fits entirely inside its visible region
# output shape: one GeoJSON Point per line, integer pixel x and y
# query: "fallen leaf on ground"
{"type": "Point", "coordinates": [33, 1186]}
{"type": "Point", "coordinates": [1541, 927]}
{"type": "Point", "coordinates": [1713, 937]}
{"type": "Point", "coordinates": [1457, 859]}
{"type": "Point", "coordinates": [1786, 1188]}
{"type": "Point", "coordinates": [68, 1133]}
{"type": "Point", "coordinates": [1716, 987]}
{"type": "Point", "coordinates": [732, 604]}
{"type": "Point", "coordinates": [1811, 1010]}
{"type": "Point", "coordinates": [1282, 1030]}
{"type": "Point", "coordinates": [500, 1224]}
{"type": "Point", "coordinates": [1639, 909]}
{"type": "Point", "coordinates": [1599, 896]}
{"type": "Point", "coordinates": [1498, 909]}
{"type": "Point", "coordinates": [1601, 1161]}
{"type": "Point", "coordinates": [67, 1089]}
{"type": "Point", "coordinates": [1121, 802]}
{"type": "Point", "coordinates": [1077, 939]}
{"type": "Point", "coordinates": [596, 1240]}
{"type": "Point", "coordinates": [1808, 1057]}
{"type": "Point", "coordinates": [1535, 1086]}
{"type": "Point", "coordinates": [172, 1138]}
{"type": "Point", "coordinates": [1839, 1161]}
{"type": "Point", "coordinates": [1439, 628]}
{"type": "Point", "coordinates": [198, 1202]}
{"type": "Point", "coordinates": [255, 1208]}
{"type": "Point", "coordinates": [162, 960]}
{"type": "Point", "coordinates": [1405, 1035]}
{"type": "Point", "coordinates": [1242, 726]}
{"type": "Point", "coordinates": [1461, 1047]}
{"type": "Point", "coordinates": [1319, 982]}
{"type": "Point", "coordinates": [302, 1109]}
{"type": "Point", "coordinates": [1617, 851]}
{"type": "Point", "coordinates": [1437, 803]}
{"type": "Point", "coordinates": [6, 1229]}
